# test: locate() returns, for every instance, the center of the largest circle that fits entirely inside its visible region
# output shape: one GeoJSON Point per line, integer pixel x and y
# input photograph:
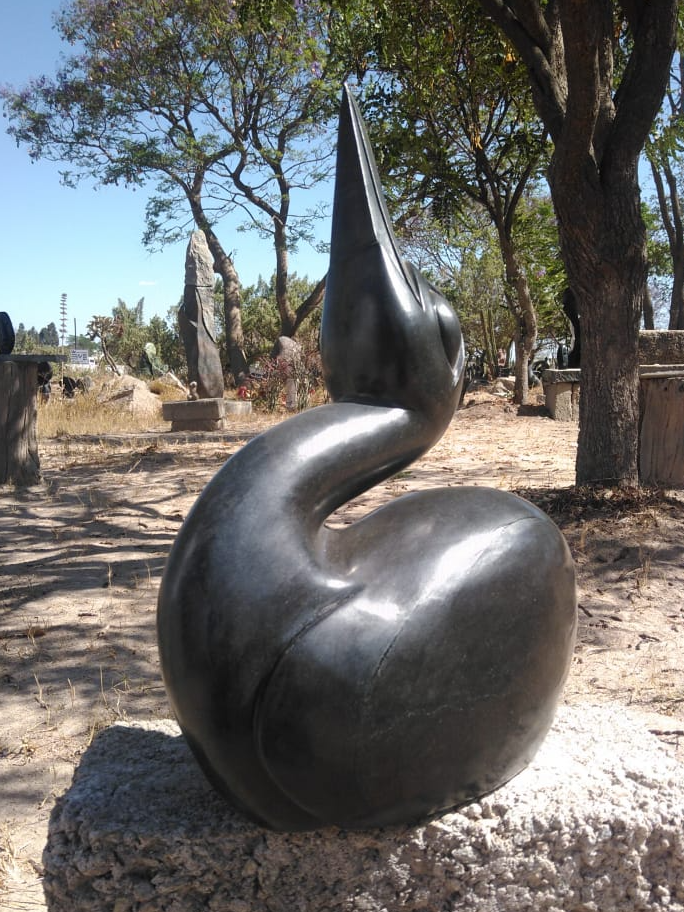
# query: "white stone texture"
{"type": "Point", "coordinates": [595, 824]}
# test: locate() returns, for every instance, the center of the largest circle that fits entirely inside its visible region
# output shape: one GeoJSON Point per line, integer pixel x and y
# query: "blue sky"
{"type": "Point", "coordinates": [86, 243]}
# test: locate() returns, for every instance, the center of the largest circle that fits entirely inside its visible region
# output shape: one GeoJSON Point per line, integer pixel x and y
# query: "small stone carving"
{"type": "Point", "coordinates": [196, 320]}
{"type": "Point", "coordinates": [150, 362]}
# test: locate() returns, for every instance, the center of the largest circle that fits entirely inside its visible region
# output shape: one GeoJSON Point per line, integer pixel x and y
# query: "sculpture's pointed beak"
{"type": "Point", "coordinates": [387, 336]}
{"type": "Point", "coordinates": [360, 217]}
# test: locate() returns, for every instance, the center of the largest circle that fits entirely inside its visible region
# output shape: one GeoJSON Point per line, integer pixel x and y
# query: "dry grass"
{"type": "Point", "coordinates": [85, 415]}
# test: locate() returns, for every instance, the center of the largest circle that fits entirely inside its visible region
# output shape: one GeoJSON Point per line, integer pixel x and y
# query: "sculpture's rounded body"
{"type": "Point", "coordinates": [400, 666]}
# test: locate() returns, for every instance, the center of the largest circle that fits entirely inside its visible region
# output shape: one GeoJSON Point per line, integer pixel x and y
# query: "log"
{"type": "Point", "coordinates": [19, 463]}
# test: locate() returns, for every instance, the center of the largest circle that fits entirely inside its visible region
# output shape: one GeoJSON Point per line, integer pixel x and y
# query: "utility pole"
{"type": "Point", "coordinates": [63, 318]}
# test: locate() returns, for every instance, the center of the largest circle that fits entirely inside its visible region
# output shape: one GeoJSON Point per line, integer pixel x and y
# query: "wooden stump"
{"type": "Point", "coordinates": [19, 463]}
{"type": "Point", "coordinates": [661, 437]}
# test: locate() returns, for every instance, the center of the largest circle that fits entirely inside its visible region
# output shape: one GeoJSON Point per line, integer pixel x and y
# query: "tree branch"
{"type": "Point", "coordinates": [643, 85]}
{"type": "Point", "coordinates": [530, 34]}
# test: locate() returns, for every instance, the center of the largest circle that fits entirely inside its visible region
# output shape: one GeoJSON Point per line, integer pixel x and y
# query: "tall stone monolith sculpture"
{"type": "Point", "coordinates": [196, 320]}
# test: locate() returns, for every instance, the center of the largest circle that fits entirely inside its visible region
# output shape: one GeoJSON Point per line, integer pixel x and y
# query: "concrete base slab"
{"type": "Point", "coordinates": [232, 407]}
{"type": "Point", "coordinates": [595, 824]}
{"type": "Point", "coordinates": [202, 414]}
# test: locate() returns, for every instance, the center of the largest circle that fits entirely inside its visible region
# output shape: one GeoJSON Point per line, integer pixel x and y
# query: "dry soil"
{"type": "Point", "coordinates": [81, 558]}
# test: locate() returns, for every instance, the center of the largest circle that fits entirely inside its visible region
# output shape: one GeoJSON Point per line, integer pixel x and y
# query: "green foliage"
{"type": "Point", "coordinates": [106, 330]}
{"type": "Point", "coordinates": [261, 319]}
{"type": "Point", "coordinates": [219, 106]}
{"type": "Point", "coordinates": [664, 223]}
{"type": "Point", "coordinates": [127, 345]}
{"type": "Point", "coordinates": [164, 335]}
{"type": "Point", "coordinates": [659, 256]}
{"type": "Point", "coordinates": [25, 340]}
{"type": "Point", "coordinates": [124, 335]}
{"type": "Point", "coordinates": [449, 106]}
{"type": "Point", "coordinates": [48, 337]}
{"type": "Point", "coordinates": [536, 234]}
{"type": "Point", "coordinates": [32, 341]}
{"type": "Point", "coordinates": [466, 265]}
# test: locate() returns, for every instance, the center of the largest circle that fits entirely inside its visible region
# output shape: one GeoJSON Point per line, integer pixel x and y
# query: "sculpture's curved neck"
{"type": "Point", "coordinates": [322, 458]}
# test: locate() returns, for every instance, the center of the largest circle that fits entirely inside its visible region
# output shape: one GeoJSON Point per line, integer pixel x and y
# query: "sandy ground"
{"type": "Point", "coordinates": [81, 559]}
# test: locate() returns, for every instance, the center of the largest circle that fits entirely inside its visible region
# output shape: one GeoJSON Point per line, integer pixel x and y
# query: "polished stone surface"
{"type": "Point", "coordinates": [401, 666]}
{"type": "Point", "coordinates": [6, 334]}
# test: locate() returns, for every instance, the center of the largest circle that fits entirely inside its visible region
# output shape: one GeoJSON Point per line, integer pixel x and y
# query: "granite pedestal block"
{"type": "Point", "coordinates": [594, 824]}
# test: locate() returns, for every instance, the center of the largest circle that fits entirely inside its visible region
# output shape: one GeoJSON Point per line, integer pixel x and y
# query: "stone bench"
{"type": "Point", "coordinates": [595, 824]}
{"type": "Point", "coordinates": [202, 414]}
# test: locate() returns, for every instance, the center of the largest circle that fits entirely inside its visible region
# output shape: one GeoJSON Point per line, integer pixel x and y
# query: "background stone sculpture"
{"type": "Point", "coordinates": [196, 320]}
{"type": "Point", "coordinates": [399, 667]}
{"type": "Point", "coordinates": [6, 334]}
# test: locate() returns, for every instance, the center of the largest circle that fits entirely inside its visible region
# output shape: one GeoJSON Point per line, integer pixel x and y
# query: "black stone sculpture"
{"type": "Point", "coordinates": [574, 356]}
{"type": "Point", "coordinates": [395, 668]}
{"type": "Point", "coordinates": [6, 334]}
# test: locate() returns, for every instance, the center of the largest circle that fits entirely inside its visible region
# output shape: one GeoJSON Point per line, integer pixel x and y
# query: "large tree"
{"type": "Point", "coordinates": [454, 124]}
{"type": "Point", "coordinates": [222, 106]}
{"type": "Point", "coordinates": [598, 71]}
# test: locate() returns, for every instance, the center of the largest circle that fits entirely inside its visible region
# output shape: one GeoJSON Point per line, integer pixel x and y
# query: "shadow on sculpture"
{"type": "Point", "coordinates": [401, 666]}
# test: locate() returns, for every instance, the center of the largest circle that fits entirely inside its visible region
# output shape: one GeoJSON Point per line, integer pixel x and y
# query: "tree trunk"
{"type": "Point", "coordinates": [314, 300]}
{"type": "Point", "coordinates": [287, 315]}
{"type": "Point", "coordinates": [521, 306]}
{"type": "Point", "coordinates": [232, 313]}
{"type": "Point", "coordinates": [677, 296]}
{"type": "Point", "coordinates": [649, 316]}
{"type": "Point", "coordinates": [671, 215]}
{"type": "Point", "coordinates": [607, 270]}
{"type": "Point", "coordinates": [489, 342]}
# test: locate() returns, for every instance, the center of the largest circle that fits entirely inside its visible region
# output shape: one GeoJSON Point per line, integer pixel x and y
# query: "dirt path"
{"type": "Point", "coordinates": [81, 559]}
